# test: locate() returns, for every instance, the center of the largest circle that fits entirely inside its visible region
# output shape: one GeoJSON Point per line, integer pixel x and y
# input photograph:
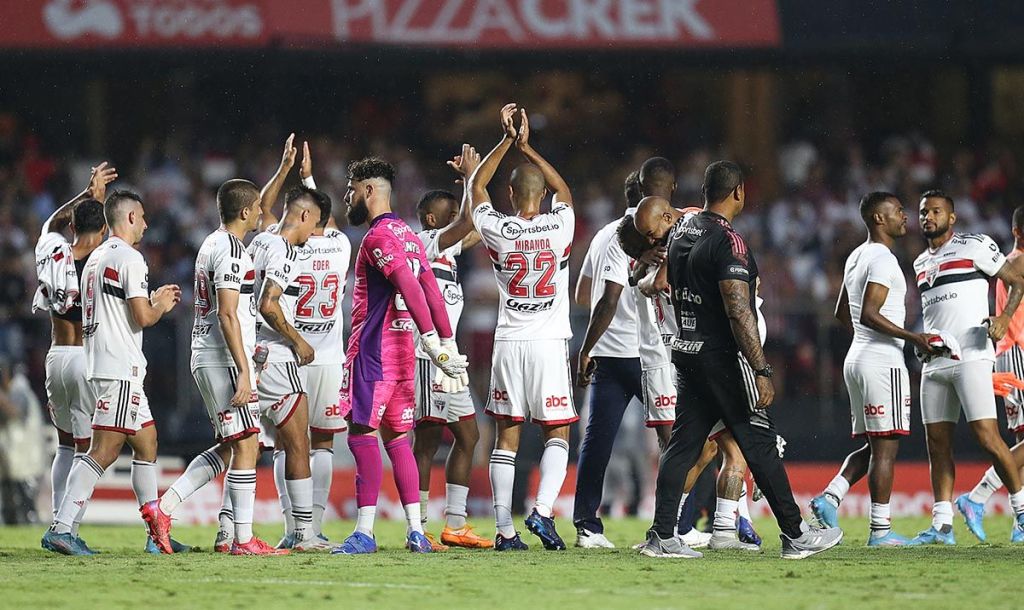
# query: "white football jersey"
{"type": "Point", "coordinates": [531, 265]}
{"type": "Point", "coordinates": [446, 272]}
{"type": "Point", "coordinates": [222, 264]}
{"type": "Point", "coordinates": [58, 278]}
{"type": "Point", "coordinates": [656, 325]}
{"type": "Point", "coordinates": [115, 273]}
{"type": "Point", "coordinates": [953, 281]}
{"type": "Point", "coordinates": [607, 262]}
{"type": "Point", "coordinates": [874, 263]}
{"type": "Point", "coordinates": [318, 312]}
{"type": "Point", "coordinates": [275, 260]}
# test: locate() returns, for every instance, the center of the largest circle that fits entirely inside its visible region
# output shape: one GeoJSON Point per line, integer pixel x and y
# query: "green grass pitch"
{"type": "Point", "coordinates": [970, 575]}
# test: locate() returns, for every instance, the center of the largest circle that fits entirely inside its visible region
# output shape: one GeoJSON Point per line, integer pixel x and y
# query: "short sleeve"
{"type": "Point", "coordinates": [587, 268]}
{"type": "Point", "coordinates": [486, 220]}
{"type": "Point", "coordinates": [385, 251]}
{"type": "Point", "coordinates": [731, 259]}
{"type": "Point", "coordinates": [431, 244]}
{"type": "Point", "coordinates": [614, 265]}
{"type": "Point", "coordinates": [136, 279]}
{"type": "Point", "coordinates": [281, 267]}
{"type": "Point", "coordinates": [884, 270]}
{"type": "Point", "coordinates": [227, 272]}
{"type": "Point", "coordinates": [567, 221]}
{"type": "Point", "coordinates": [987, 257]}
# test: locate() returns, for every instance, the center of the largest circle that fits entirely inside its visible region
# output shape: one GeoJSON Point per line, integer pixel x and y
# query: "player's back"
{"type": "Point", "coordinates": [531, 265]}
{"type": "Point", "coordinates": [222, 262]}
{"type": "Point", "coordinates": [874, 263]}
{"type": "Point", "coordinates": [381, 341]}
{"type": "Point", "coordinates": [114, 273]}
{"type": "Point", "coordinates": [318, 311]}
{"type": "Point", "coordinates": [954, 285]}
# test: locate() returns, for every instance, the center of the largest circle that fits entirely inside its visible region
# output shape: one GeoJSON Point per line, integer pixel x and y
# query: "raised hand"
{"type": "Point", "coordinates": [288, 156]}
{"type": "Point", "coordinates": [508, 113]}
{"type": "Point", "coordinates": [166, 297]}
{"type": "Point", "coordinates": [466, 163]}
{"type": "Point", "coordinates": [102, 175]}
{"type": "Point", "coordinates": [524, 130]}
{"type": "Point", "coordinates": [306, 165]}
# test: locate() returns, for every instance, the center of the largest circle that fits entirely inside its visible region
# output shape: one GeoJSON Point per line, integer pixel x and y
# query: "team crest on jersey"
{"type": "Point", "coordinates": [930, 274]}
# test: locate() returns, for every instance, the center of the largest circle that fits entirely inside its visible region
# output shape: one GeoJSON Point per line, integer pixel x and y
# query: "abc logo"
{"type": "Point", "coordinates": [102, 405]}
{"type": "Point", "coordinates": [874, 410]}
{"type": "Point", "coordinates": [553, 402]}
{"type": "Point", "coordinates": [224, 417]}
{"type": "Point", "coordinates": [664, 402]}
{"type": "Point", "coordinates": [333, 411]}
{"type": "Point", "coordinates": [500, 395]}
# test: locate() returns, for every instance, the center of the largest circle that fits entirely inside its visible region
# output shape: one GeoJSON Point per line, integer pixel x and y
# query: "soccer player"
{"type": "Point", "coordinates": [279, 259]}
{"type": "Point", "coordinates": [395, 292]}
{"type": "Point", "coordinates": [223, 342]}
{"type": "Point", "coordinates": [872, 302]}
{"type": "Point", "coordinates": [731, 528]}
{"type": "Point", "coordinates": [59, 266]}
{"type": "Point", "coordinates": [952, 275]}
{"type": "Point", "coordinates": [1009, 359]}
{"type": "Point", "coordinates": [318, 318]}
{"type": "Point", "coordinates": [530, 364]}
{"type": "Point", "coordinates": [116, 306]}
{"type": "Point", "coordinates": [722, 370]}
{"type": "Point", "coordinates": [447, 232]}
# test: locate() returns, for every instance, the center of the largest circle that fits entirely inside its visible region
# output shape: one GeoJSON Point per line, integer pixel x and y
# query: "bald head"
{"type": "Point", "coordinates": [654, 217]}
{"type": "Point", "coordinates": [658, 177]}
{"type": "Point", "coordinates": [528, 185]}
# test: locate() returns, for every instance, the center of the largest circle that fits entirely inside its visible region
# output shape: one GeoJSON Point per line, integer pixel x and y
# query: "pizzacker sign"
{"type": "Point", "coordinates": [484, 24]}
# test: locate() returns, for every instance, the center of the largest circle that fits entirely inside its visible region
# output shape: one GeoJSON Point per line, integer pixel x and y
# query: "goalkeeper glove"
{"type": "Point", "coordinates": [451, 364]}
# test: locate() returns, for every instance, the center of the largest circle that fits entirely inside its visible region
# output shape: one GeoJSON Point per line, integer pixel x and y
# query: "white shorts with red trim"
{"type": "Point", "coordinates": [659, 389]}
{"type": "Point", "coordinates": [879, 399]}
{"type": "Point", "coordinates": [433, 405]}
{"type": "Point", "coordinates": [531, 379]}
{"type": "Point", "coordinates": [965, 386]}
{"type": "Point", "coordinates": [120, 406]}
{"type": "Point", "coordinates": [323, 385]}
{"type": "Point", "coordinates": [217, 387]}
{"type": "Point", "coordinates": [67, 391]}
{"type": "Point", "coordinates": [1012, 361]}
{"type": "Point", "coordinates": [281, 387]}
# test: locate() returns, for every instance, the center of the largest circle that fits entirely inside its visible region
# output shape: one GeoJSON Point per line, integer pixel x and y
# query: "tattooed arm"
{"type": "Point", "coordinates": [270, 309]}
{"type": "Point", "coordinates": [736, 296]}
{"type": "Point", "coordinates": [1011, 275]}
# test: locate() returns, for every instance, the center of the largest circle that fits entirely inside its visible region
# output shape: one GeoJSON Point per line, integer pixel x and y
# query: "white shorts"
{"type": "Point", "coordinates": [281, 387]}
{"type": "Point", "coordinates": [531, 379]}
{"type": "Point", "coordinates": [323, 385]}
{"type": "Point", "coordinates": [879, 399]}
{"type": "Point", "coordinates": [67, 391]}
{"type": "Point", "coordinates": [121, 406]}
{"type": "Point", "coordinates": [660, 395]}
{"type": "Point", "coordinates": [217, 386]}
{"type": "Point", "coordinates": [1012, 361]}
{"type": "Point", "coordinates": [433, 405]}
{"type": "Point", "coordinates": [966, 385]}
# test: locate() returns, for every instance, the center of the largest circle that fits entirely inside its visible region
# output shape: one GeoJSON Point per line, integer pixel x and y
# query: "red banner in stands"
{"type": "Point", "coordinates": [506, 24]}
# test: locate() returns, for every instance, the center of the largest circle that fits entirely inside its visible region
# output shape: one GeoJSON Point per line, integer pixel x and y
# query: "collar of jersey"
{"type": "Point", "coordinates": [383, 216]}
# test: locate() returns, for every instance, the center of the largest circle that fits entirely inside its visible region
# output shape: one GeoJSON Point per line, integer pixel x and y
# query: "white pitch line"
{"type": "Point", "coordinates": [317, 583]}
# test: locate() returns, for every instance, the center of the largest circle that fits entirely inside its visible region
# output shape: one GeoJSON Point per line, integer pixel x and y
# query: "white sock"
{"type": "Point", "coordinates": [725, 515]}
{"type": "Point", "coordinates": [744, 505]}
{"type": "Point", "coordinates": [881, 523]}
{"type": "Point", "coordinates": [144, 481]}
{"type": "Point", "coordinates": [282, 492]}
{"type": "Point", "coordinates": [836, 490]}
{"type": "Point", "coordinates": [1017, 502]}
{"type": "Point", "coordinates": [81, 482]}
{"type": "Point", "coordinates": [226, 516]}
{"type": "Point", "coordinates": [988, 485]}
{"type": "Point", "coordinates": [456, 497]}
{"type": "Point", "coordinates": [553, 464]}
{"type": "Point", "coordinates": [942, 515]}
{"type": "Point", "coordinates": [364, 519]}
{"type": "Point", "coordinates": [321, 466]}
{"type": "Point", "coordinates": [424, 504]}
{"type": "Point", "coordinates": [200, 471]}
{"type": "Point", "coordinates": [59, 471]}
{"type": "Point", "coordinates": [300, 491]}
{"type": "Point", "coordinates": [412, 518]}
{"type": "Point", "coordinates": [241, 486]}
{"type": "Point", "coordinates": [503, 473]}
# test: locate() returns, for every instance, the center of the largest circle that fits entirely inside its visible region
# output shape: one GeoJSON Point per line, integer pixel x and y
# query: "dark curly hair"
{"type": "Point", "coordinates": [371, 167]}
{"type": "Point", "coordinates": [633, 243]}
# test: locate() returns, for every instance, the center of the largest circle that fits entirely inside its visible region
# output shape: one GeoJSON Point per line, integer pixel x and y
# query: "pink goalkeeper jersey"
{"type": "Point", "coordinates": [381, 344]}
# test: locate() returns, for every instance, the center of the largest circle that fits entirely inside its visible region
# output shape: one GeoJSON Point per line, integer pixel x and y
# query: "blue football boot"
{"type": "Point", "coordinates": [933, 536]}
{"type": "Point", "coordinates": [515, 543]}
{"type": "Point", "coordinates": [544, 528]}
{"type": "Point", "coordinates": [973, 513]}
{"type": "Point", "coordinates": [890, 539]}
{"type": "Point", "coordinates": [825, 512]}
{"type": "Point", "coordinates": [65, 544]}
{"type": "Point", "coordinates": [417, 543]}
{"type": "Point", "coordinates": [745, 531]}
{"type": "Point", "coordinates": [357, 543]}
